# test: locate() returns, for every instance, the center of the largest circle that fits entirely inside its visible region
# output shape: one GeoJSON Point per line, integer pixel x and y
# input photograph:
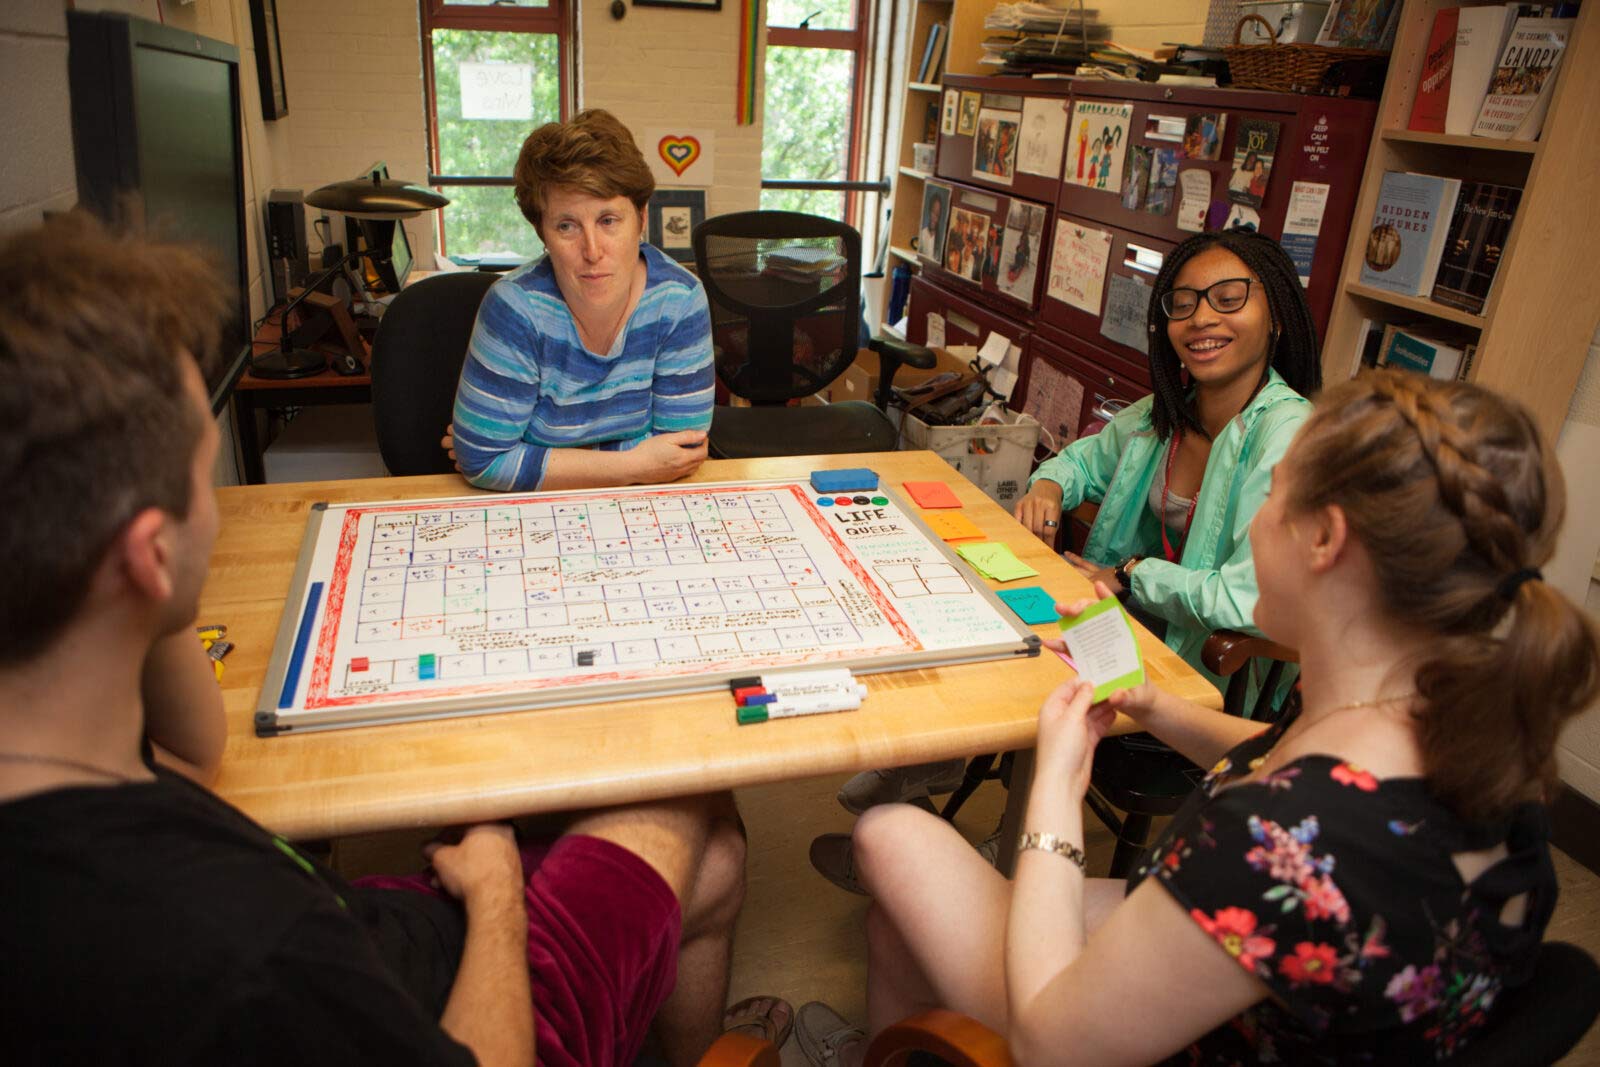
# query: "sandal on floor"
{"type": "Point", "coordinates": [768, 1018]}
{"type": "Point", "coordinates": [823, 1033]}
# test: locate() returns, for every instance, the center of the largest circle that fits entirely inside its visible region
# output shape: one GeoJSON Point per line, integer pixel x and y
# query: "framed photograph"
{"type": "Point", "coordinates": [968, 120]}
{"type": "Point", "coordinates": [994, 148]}
{"type": "Point", "coordinates": [935, 220]}
{"type": "Point", "coordinates": [269, 60]}
{"type": "Point", "coordinates": [699, 5]}
{"type": "Point", "coordinates": [673, 215]}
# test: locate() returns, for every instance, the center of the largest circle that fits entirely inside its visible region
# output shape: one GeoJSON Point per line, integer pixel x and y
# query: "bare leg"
{"type": "Point", "coordinates": [938, 929]}
{"type": "Point", "coordinates": [936, 932]}
{"type": "Point", "coordinates": [697, 845]}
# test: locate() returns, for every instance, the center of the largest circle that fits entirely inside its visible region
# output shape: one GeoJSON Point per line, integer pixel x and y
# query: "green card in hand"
{"type": "Point", "coordinates": [1101, 640]}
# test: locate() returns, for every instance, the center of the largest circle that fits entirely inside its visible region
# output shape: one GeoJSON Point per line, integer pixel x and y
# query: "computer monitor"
{"type": "Point", "coordinates": [156, 129]}
{"type": "Point", "coordinates": [380, 272]}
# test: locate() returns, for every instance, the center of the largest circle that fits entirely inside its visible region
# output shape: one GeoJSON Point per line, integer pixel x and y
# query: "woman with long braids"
{"type": "Point", "coordinates": [1358, 883]}
{"type": "Point", "coordinates": [1179, 474]}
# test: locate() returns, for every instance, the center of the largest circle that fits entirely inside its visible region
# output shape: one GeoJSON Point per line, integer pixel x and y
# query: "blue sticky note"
{"type": "Point", "coordinates": [1031, 603]}
{"type": "Point", "coordinates": [852, 480]}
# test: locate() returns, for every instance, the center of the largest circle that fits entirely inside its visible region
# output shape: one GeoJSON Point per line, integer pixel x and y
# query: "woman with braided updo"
{"type": "Point", "coordinates": [1359, 882]}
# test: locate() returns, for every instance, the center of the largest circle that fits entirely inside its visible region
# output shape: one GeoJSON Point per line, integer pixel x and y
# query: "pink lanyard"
{"type": "Point", "coordinates": [1166, 487]}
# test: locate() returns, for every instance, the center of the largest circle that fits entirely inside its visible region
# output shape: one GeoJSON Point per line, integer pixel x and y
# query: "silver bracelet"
{"type": "Point", "coordinates": [1051, 843]}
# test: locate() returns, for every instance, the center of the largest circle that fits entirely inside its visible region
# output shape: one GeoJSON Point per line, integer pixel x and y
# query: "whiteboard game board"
{"type": "Point", "coordinates": [427, 608]}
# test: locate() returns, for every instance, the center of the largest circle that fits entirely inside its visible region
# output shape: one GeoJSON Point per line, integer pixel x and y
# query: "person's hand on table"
{"type": "Point", "coordinates": [1100, 576]}
{"type": "Point", "coordinates": [482, 866]}
{"type": "Point", "coordinates": [1070, 725]}
{"type": "Point", "coordinates": [1040, 510]}
{"type": "Point", "coordinates": [666, 457]}
{"type": "Point", "coordinates": [448, 443]}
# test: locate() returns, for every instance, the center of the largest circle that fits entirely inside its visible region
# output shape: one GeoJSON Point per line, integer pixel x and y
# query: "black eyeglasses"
{"type": "Point", "coordinates": [1226, 296]}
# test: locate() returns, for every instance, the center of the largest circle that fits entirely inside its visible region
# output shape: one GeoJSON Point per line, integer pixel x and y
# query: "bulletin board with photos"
{"type": "Point", "coordinates": [1183, 161]}
{"type": "Point", "coordinates": [986, 241]}
{"type": "Point", "coordinates": [1007, 135]}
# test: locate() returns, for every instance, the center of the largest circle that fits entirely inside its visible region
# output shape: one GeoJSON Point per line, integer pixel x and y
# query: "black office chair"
{"type": "Point", "coordinates": [1144, 778]}
{"type": "Point", "coordinates": [416, 363]}
{"type": "Point", "coordinates": [785, 293]}
{"type": "Point", "coordinates": [1540, 1021]}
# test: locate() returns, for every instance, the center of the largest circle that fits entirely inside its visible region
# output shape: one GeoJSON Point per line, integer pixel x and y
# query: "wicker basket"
{"type": "Point", "coordinates": [1284, 68]}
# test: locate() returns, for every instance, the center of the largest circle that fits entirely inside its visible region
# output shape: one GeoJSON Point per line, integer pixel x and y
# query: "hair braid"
{"type": "Point", "coordinates": [1449, 489]}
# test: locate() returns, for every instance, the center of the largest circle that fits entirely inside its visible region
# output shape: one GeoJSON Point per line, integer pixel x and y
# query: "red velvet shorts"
{"type": "Point", "coordinates": [603, 933]}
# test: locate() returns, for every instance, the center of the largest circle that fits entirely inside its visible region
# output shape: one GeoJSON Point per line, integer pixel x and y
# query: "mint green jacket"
{"type": "Point", "coordinates": [1213, 586]}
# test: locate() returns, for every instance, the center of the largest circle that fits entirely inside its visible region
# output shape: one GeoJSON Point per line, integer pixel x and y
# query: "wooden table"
{"type": "Point", "coordinates": [515, 763]}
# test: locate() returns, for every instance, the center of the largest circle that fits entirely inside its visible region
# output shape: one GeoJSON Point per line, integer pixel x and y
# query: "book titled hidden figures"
{"type": "Point", "coordinates": [1408, 231]}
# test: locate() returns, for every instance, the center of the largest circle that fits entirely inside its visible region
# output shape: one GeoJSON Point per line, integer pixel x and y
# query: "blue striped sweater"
{"type": "Point", "coordinates": [528, 384]}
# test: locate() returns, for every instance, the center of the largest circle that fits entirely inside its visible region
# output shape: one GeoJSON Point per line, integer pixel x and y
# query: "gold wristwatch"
{"type": "Point", "coordinates": [1051, 843]}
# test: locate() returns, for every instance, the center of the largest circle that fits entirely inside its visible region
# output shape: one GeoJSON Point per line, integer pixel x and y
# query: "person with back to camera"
{"type": "Point", "coordinates": [592, 365]}
{"type": "Point", "coordinates": [1179, 474]}
{"type": "Point", "coordinates": [1358, 883]}
{"type": "Point", "coordinates": [145, 921]}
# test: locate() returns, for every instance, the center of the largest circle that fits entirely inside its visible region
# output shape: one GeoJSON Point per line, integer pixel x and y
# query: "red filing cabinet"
{"type": "Point", "coordinates": [1074, 388]}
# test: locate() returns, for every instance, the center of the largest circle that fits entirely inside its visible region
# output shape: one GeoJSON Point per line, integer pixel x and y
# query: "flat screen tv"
{"type": "Point", "coordinates": [156, 130]}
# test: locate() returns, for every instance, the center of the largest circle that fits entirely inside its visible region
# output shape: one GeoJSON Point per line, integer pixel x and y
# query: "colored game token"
{"type": "Point", "coordinates": [843, 501]}
{"type": "Point", "coordinates": [880, 501]}
{"type": "Point", "coordinates": [861, 501]}
{"type": "Point", "coordinates": [359, 663]}
{"type": "Point", "coordinates": [825, 501]}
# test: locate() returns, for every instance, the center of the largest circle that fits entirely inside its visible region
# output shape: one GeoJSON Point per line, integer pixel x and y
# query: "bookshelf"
{"type": "Point", "coordinates": [1534, 332]}
{"type": "Point", "coordinates": [964, 19]}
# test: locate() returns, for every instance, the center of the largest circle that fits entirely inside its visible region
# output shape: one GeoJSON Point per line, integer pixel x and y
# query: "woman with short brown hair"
{"type": "Point", "coordinates": [590, 366]}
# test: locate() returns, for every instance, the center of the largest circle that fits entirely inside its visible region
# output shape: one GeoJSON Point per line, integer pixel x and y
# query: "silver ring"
{"type": "Point", "coordinates": [1051, 522]}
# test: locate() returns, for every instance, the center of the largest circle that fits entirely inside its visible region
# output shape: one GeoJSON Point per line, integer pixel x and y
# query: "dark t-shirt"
{"type": "Point", "coordinates": [1338, 892]}
{"type": "Point", "coordinates": [152, 923]}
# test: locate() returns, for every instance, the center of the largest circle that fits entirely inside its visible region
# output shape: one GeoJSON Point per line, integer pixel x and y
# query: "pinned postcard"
{"type": "Point", "coordinates": [1097, 139]}
{"type": "Point", "coordinates": [1044, 135]}
{"type": "Point", "coordinates": [1127, 313]}
{"type": "Point", "coordinates": [1103, 646]}
{"type": "Point", "coordinates": [952, 102]}
{"type": "Point", "coordinates": [1078, 265]}
{"type": "Point", "coordinates": [1194, 198]}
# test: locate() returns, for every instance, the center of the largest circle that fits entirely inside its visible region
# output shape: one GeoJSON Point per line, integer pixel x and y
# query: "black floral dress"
{"type": "Point", "coordinates": [1337, 890]}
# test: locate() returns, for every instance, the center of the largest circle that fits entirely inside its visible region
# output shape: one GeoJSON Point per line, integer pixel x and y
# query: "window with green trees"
{"type": "Point", "coordinates": [495, 71]}
{"type": "Point", "coordinates": [813, 73]}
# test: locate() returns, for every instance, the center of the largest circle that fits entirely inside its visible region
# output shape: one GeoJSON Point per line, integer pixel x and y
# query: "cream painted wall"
{"type": "Point", "coordinates": [674, 68]}
{"type": "Point", "coordinates": [1152, 23]}
{"type": "Point", "coordinates": [1575, 563]}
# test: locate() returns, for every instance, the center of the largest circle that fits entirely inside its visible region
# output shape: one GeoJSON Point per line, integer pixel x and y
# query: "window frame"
{"type": "Point", "coordinates": [855, 41]}
{"type": "Point", "coordinates": [555, 18]}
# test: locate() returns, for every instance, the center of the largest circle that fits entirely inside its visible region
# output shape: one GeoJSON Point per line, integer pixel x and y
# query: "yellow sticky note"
{"type": "Point", "coordinates": [995, 561]}
{"type": "Point", "coordinates": [953, 526]}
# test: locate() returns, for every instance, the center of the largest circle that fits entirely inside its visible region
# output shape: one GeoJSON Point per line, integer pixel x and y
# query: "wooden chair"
{"type": "Point", "coordinates": [936, 1036]}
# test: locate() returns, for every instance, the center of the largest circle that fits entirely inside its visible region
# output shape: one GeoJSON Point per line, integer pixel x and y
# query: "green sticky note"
{"type": "Point", "coordinates": [1103, 645]}
{"type": "Point", "coordinates": [995, 561]}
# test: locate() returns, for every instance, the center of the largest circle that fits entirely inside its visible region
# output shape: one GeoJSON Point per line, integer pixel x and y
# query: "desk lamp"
{"type": "Point", "coordinates": [376, 203]}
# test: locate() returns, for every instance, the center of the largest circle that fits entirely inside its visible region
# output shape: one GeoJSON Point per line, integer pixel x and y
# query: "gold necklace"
{"type": "Point", "coordinates": [60, 761]}
{"type": "Point", "coordinates": [1260, 763]}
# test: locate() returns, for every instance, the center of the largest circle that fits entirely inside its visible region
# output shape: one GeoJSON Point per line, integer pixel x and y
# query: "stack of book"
{"type": "Point", "coordinates": [1490, 71]}
{"type": "Point", "coordinates": [1440, 238]}
{"type": "Point", "coordinates": [1026, 36]}
{"type": "Point", "coordinates": [933, 54]}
